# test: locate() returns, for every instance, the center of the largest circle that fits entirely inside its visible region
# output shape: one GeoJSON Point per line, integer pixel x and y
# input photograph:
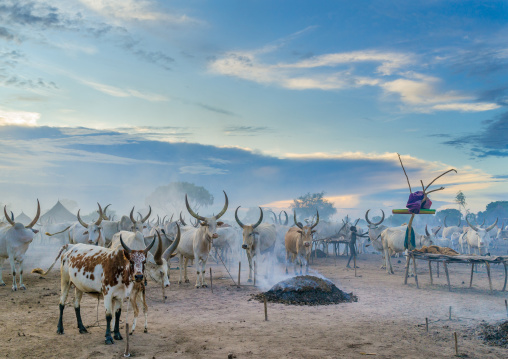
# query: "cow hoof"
{"type": "Point", "coordinates": [117, 336]}
{"type": "Point", "coordinates": [109, 340]}
{"type": "Point", "coordinates": [83, 331]}
{"type": "Point", "coordinates": [249, 280]}
{"type": "Point", "coordinates": [197, 286]}
{"type": "Point", "coordinates": [59, 331]}
{"type": "Point", "coordinates": [22, 286]}
{"type": "Point", "coordinates": [14, 288]}
{"type": "Point", "coordinates": [187, 281]}
{"type": "Point", "coordinates": [2, 284]}
{"type": "Point", "coordinates": [205, 285]}
{"type": "Point", "coordinates": [131, 333]}
{"type": "Point", "coordinates": [180, 282]}
{"type": "Point", "coordinates": [145, 331]}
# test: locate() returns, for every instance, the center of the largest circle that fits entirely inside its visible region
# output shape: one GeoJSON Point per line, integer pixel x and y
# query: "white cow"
{"type": "Point", "coordinates": [196, 243]}
{"type": "Point", "coordinates": [449, 230]}
{"type": "Point", "coordinates": [393, 242]}
{"type": "Point", "coordinates": [14, 241]}
{"type": "Point", "coordinates": [375, 230]}
{"type": "Point", "coordinates": [476, 238]}
{"type": "Point", "coordinates": [258, 238]}
{"type": "Point", "coordinates": [109, 228]}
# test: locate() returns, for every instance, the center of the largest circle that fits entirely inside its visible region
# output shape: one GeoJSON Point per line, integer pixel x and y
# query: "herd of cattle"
{"type": "Point", "coordinates": [112, 259]}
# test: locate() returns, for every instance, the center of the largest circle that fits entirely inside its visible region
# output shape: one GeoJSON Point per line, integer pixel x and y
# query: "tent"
{"type": "Point", "coordinates": [57, 214]}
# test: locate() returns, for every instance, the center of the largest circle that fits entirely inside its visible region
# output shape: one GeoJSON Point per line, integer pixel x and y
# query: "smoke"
{"type": "Point", "coordinates": [42, 252]}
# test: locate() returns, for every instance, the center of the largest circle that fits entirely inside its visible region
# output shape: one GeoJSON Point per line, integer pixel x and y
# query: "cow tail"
{"type": "Point", "coordinates": [54, 234]}
{"type": "Point", "coordinates": [41, 272]}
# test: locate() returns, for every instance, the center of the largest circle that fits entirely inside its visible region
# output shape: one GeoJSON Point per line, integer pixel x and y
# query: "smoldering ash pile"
{"type": "Point", "coordinates": [306, 290]}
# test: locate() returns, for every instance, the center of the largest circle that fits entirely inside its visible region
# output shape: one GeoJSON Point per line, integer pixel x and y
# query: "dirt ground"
{"type": "Point", "coordinates": [388, 321]}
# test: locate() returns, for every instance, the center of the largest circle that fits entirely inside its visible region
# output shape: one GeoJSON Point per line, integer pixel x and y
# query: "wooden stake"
{"type": "Point", "coordinates": [211, 280]}
{"type": "Point", "coordinates": [506, 306]}
{"type": "Point", "coordinates": [239, 270]}
{"type": "Point", "coordinates": [416, 275]}
{"type": "Point", "coordinates": [407, 267]}
{"type": "Point", "coordinates": [126, 354]}
{"type": "Point", "coordinates": [472, 271]}
{"type": "Point", "coordinates": [438, 269]}
{"type": "Point", "coordinates": [447, 276]}
{"type": "Point", "coordinates": [505, 275]}
{"type": "Point", "coordinates": [266, 310]}
{"type": "Point", "coordinates": [427, 325]}
{"type": "Point", "coordinates": [450, 313]}
{"type": "Point", "coordinates": [430, 272]}
{"type": "Point", "coordinates": [487, 264]}
{"type": "Point", "coordinates": [354, 261]}
{"type": "Point", "coordinates": [456, 344]}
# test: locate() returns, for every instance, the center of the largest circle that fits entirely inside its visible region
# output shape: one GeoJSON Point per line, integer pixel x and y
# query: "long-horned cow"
{"type": "Point", "coordinates": [101, 272]}
{"type": "Point", "coordinates": [258, 238]}
{"type": "Point", "coordinates": [298, 242]}
{"type": "Point", "coordinates": [375, 229]}
{"type": "Point", "coordinates": [196, 243]}
{"type": "Point", "coordinates": [476, 237]}
{"type": "Point", "coordinates": [156, 267]}
{"type": "Point", "coordinates": [14, 241]}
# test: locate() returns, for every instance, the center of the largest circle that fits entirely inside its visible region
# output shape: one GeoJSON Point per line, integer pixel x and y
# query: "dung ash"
{"type": "Point", "coordinates": [494, 334]}
{"type": "Point", "coordinates": [305, 290]}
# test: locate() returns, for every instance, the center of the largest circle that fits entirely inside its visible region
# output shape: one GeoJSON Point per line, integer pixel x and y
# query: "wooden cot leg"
{"type": "Point", "coordinates": [416, 275]}
{"type": "Point", "coordinates": [472, 271]}
{"type": "Point", "coordinates": [430, 273]}
{"type": "Point", "coordinates": [505, 275]}
{"type": "Point", "coordinates": [447, 276]}
{"type": "Point", "coordinates": [438, 269]}
{"type": "Point", "coordinates": [408, 259]}
{"type": "Point", "coordinates": [487, 264]}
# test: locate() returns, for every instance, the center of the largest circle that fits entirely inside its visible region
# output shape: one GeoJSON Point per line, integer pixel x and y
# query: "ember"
{"type": "Point", "coordinates": [306, 290]}
{"type": "Point", "coordinates": [494, 334]}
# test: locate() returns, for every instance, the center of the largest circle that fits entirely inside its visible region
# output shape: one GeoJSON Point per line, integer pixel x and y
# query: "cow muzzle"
{"type": "Point", "coordinates": [244, 246]}
{"type": "Point", "coordinates": [215, 235]}
{"type": "Point", "coordinates": [307, 244]}
{"type": "Point", "coordinates": [138, 277]}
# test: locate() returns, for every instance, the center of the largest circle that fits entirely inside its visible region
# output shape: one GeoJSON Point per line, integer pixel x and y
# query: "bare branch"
{"type": "Point", "coordinates": [434, 190]}
{"type": "Point", "coordinates": [410, 191]}
{"type": "Point", "coordinates": [438, 177]}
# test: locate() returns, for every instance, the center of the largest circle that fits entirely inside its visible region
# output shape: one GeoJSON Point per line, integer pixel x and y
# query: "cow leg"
{"type": "Point", "coordinates": [13, 270]}
{"type": "Point", "coordinates": [108, 304]}
{"type": "Point", "coordinates": [118, 313]}
{"type": "Point", "coordinates": [2, 283]}
{"type": "Point", "coordinates": [145, 309]}
{"type": "Point", "coordinates": [249, 257]}
{"type": "Point", "coordinates": [65, 286]}
{"type": "Point", "coordinates": [134, 304]}
{"type": "Point", "coordinates": [307, 264]}
{"type": "Point", "coordinates": [77, 300]}
{"type": "Point", "coordinates": [203, 274]}
{"type": "Point", "coordinates": [186, 260]}
{"type": "Point", "coordinates": [287, 260]}
{"type": "Point", "coordinates": [180, 262]}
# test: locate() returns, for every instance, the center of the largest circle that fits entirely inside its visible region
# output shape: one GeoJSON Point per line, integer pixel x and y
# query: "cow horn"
{"type": "Point", "coordinates": [192, 212]}
{"type": "Point", "coordinates": [489, 228]}
{"type": "Point", "coordinates": [104, 216]}
{"type": "Point", "coordinates": [143, 220]}
{"type": "Point", "coordinates": [297, 224]}
{"type": "Point", "coordinates": [127, 249]}
{"type": "Point", "coordinates": [12, 215]}
{"type": "Point", "coordinates": [238, 219]}
{"type": "Point", "coordinates": [427, 231]}
{"type": "Point", "coordinates": [164, 219]}
{"type": "Point", "coordinates": [458, 223]}
{"type": "Point", "coordinates": [470, 225]}
{"type": "Point", "coordinates": [36, 218]}
{"type": "Point", "coordinates": [100, 215]}
{"type": "Point", "coordinates": [358, 220]}
{"type": "Point", "coordinates": [274, 216]}
{"type": "Point", "coordinates": [260, 219]}
{"type": "Point", "coordinates": [81, 221]}
{"type": "Point", "coordinates": [132, 215]}
{"type": "Point", "coordinates": [445, 222]}
{"type": "Point", "coordinates": [181, 220]}
{"type": "Point", "coordinates": [483, 223]}
{"type": "Point", "coordinates": [317, 220]}
{"type": "Point", "coordinates": [287, 218]}
{"type": "Point", "coordinates": [149, 246]}
{"type": "Point", "coordinates": [167, 253]}
{"type": "Point", "coordinates": [367, 217]}
{"type": "Point", "coordinates": [375, 224]}
{"type": "Point", "coordinates": [220, 214]}
{"type": "Point", "coordinates": [11, 222]}
{"type": "Point", "coordinates": [171, 219]}
{"type": "Point", "coordinates": [158, 254]}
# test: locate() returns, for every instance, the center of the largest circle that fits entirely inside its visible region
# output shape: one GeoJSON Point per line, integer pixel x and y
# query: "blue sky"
{"type": "Point", "coordinates": [313, 95]}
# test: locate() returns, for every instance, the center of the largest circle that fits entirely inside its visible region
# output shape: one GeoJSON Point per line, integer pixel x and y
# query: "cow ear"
{"type": "Point", "coordinates": [203, 223]}
{"type": "Point", "coordinates": [220, 223]}
{"type": "Point", "coordinates": [85, 232]}
{"type": "Point", "coordinates": [299, 231]}
{"type": "Point", "coordinates": [312, 231]}
{"type": "Point", "coordinates": [127, 255]}
{"type": "Point", "coordinates": [144, 226]}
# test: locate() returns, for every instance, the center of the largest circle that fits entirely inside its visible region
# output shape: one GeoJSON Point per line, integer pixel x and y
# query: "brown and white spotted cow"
{"type": "Point", "coordinates": [100, 272]}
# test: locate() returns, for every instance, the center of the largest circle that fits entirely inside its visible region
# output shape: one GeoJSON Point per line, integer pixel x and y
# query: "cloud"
{"type": "Point", "coordinates": [202, 170]}
{"type": "Point", "coordinates": [6, 34]}
{"type": "Point", "coordinates": [216, 109]}
{"type": "Point", "coordinates": [490, 141]}
{"type": "Point", "coordinates": [245, 130]}
{"type": "Point", "coordinates": [118, 92]}
{"type": "Point", "coordinates": [20, 118]}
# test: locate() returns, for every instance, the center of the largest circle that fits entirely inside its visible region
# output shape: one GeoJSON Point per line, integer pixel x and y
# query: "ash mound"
{"type": "Point", "coordinates": [494, 334]}
{"type": "Point", "coordinates": [305, 290]}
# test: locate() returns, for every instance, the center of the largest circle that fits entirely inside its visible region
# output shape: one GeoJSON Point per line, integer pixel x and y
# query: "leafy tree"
{"type": "Point", "coordinates": [498, 209]}
{"type": "Point", "coordinates": [306, 206]}
{"type": "Point", "coordinates": [171, 198]}
{"type": "Point", "coordinates": [460, 199]}
{"type": "Point", "coordinates": [453, 216]}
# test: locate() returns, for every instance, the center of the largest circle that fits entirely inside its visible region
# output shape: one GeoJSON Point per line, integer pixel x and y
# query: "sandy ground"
{"type": "Point", "coordinates": [388, 321]}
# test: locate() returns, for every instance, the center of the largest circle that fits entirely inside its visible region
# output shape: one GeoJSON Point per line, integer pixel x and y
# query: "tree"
{"type": "Point", "coordinates": [460, 199]}
{"type": "Point", "coordinates": [306, 206]}
{"type": "Point", "coordinates": [171, 198]}
{"type": "Point", "coordinates": [498, 209]}
{"type": "Point", "coordinates": [454, 216]}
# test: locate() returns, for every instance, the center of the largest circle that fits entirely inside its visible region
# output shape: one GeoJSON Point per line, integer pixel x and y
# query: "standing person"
{"type": "Point", "coordinates": [352, 243]}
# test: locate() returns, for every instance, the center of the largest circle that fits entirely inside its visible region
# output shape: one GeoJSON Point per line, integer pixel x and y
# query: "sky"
{"type": "Point", "coordinates": [104, 100]}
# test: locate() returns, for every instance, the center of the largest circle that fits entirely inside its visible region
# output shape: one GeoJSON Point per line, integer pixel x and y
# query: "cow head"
{"type": "Point", "coordinates": [20, 232]}
{"type": "Point", "coordinates": [93, 229]}
{"type": "Point", "coordinates": [502, 233]}
{"type": "Point", "coordinates": [306, 232]}
{"type": "Point", "coordinates": [480, 234]}
{"type": "Point", "coordinates": [429, 237]}
{"type": "Point", "coordinates": [137, 259]}
{"type": "Point", "coordinates": [249, 231]}
{"type": "Point", "coordinates": [157, 265]}
{"type": "Point", "coordinates": [208, 224]}
{"type": "Point", "coordinates": [138, 225]}
{"type": "Point", "coordinates": [374, 225]}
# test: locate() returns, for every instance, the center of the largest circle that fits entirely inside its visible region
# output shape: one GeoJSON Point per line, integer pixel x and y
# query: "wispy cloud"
{"type": "Point", "coordinates": [245, 130]}
{"type": "Point", "coordinates": [202, 170]}
{"type": "Point", "coordinates": [216, 109]}
{"type": "Point", "coordinates": [19, 118]}
{"type": "Point", "coordinates": [118, 92]}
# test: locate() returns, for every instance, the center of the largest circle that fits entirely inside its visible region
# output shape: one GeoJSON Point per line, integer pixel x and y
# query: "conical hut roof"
{"type": "Point", "coordinates": [23, 218]}
{"type": "Point", "coordinates": [57, 214]}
